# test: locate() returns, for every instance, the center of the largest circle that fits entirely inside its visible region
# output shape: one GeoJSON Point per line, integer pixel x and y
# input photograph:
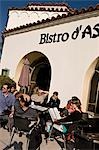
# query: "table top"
{"type": "Point", "coordinates": [38, 107]}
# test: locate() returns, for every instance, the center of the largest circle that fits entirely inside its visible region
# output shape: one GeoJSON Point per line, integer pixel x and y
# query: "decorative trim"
{"type": "Point", "coordinates": [43, 8]}
{"type": "Point", "coordinates": [76, 13]}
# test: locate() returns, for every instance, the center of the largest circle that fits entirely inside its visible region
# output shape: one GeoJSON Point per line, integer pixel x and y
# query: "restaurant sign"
{"type": "Point", "coordinates": [91, 32]}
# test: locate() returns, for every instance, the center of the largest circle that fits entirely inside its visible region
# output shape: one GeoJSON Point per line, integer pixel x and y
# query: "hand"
{"type": "Point", "coordinates": [56, 122]}
{"type": "Point", "coordinates": [11, 115]}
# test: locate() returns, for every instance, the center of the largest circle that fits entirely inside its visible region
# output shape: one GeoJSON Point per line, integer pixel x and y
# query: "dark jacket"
{"type": "Point", "coordinates": [29, 113]}
{"type": "Point", "coordinates": [74, 116]}
{"type": "Point", "coordinates": [54, 103]}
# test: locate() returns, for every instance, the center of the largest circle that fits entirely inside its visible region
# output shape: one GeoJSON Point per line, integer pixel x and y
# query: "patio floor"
{"type": "Point", "coordinates": [19, 143]}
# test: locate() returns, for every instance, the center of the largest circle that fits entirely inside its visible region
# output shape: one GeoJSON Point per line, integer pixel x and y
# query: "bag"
{"type": "Point", "coordinates": [35, 138]}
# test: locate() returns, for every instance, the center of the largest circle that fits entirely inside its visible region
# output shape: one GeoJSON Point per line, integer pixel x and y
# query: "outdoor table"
{"type": "Point", "coordinates": [39, 108]}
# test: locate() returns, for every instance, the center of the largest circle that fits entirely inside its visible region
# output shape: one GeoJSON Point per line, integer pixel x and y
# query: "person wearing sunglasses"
{"type": "Point", "coordinates": [7, 100]}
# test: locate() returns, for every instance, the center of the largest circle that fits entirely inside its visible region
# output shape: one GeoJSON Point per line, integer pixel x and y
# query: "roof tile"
{"type": "Point", "coordinates": [76, 12]}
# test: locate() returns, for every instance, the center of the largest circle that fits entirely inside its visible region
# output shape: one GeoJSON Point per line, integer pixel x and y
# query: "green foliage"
{"type": "Point", "coordinates": [6, 79]}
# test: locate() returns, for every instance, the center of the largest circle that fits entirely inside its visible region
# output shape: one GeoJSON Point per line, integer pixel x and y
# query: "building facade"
{"type": "Point", "coordinates": [62, 46]}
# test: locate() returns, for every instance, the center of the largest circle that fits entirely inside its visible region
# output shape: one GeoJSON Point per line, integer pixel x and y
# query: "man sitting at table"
{"type": "Point", "coordinates": [7, 100]}
{"type": "Point", "coordinates": [54, 101]}
{"type": "Point", "coordinates": [24, 110]}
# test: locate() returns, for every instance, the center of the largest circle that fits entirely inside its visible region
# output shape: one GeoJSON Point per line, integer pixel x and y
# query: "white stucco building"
{"type": "Point", "coordinates": [62, 46]}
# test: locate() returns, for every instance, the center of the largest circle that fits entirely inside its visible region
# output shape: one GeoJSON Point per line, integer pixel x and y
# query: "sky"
{"type": "Point", "coordinates": [6, 4]}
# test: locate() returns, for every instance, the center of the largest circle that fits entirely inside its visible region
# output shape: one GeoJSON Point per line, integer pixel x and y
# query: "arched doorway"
{"type": "Point", "coordinates": [93, 102]}
{"type": "Point", "coordinates": [41, 73]}
{"type": "Point", "coordinates": [40, 70]}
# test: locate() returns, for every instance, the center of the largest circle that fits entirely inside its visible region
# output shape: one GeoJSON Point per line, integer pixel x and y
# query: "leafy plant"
{"type": "Point", "coordinates": [6, 79]}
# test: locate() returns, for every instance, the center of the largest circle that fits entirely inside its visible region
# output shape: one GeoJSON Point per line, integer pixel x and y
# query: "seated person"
{"type": "Point", "coordinates": [25, 111]}
{"type": "Point", "coordinates": [66, 110]}
{"type": "Point", "coordinates": [74, 110]}
{"type": "Point", "coordinates": [17, 107]}
{"type": "Point", "coordinates": [74, 114]}
{"type": "Point", "coordinates": [22, 109]}
{"type": "Point", "coordinates": [39, 96]}
{"type": "Point", "coordinates": [7, 101]}
{"type": "Point", "coordinates": [17, 102]}
{"type": "Point", "coordinates": [13, 89]}
{"type": "Point", "coordinates": [54, 101]}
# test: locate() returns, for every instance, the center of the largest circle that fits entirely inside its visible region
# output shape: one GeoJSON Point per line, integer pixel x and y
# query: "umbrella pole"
{"type": "Point", "coordinates": [24, 90]}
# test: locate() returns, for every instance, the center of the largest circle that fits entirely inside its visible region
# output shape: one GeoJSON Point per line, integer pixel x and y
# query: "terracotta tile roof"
{"type": "Point", "coordinates": [44, 8]}
{"type": "Point", "coordinates": [76, 12]}
{"type": "Point", "coordinates": [47, 4]}
{"type": "Point", "coordinates": [38, 9]}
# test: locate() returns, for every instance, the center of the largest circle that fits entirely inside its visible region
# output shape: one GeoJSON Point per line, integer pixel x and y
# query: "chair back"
{"type": "Point", "coordinates": [22, 124]}
{"type": "Point", "coordinates": [85, 116]}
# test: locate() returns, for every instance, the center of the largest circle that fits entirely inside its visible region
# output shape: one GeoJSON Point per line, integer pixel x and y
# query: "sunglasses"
{"type": "Point", "coordinates": [4, 88]}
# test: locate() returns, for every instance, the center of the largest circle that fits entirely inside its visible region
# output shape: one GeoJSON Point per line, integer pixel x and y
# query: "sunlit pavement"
{"type": "Point", "coordinates": [19, 143]}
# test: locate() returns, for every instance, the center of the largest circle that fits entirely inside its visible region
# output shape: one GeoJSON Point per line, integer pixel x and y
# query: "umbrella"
{"type": "Point", "coordinates": [24, 79]}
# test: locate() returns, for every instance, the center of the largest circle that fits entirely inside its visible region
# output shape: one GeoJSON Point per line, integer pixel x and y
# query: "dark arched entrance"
{"type": "Point", "coordinates": [41, 74]}
{"type": "Point", "coordinates": [93, 104]}
{"type": "Point", "coordinates": [40, 71]}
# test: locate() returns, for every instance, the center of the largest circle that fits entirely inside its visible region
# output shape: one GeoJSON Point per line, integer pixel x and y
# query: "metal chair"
{"type": "Point", "coordinates": [22, 126]}
{"type": "Point", "coordinates": [61, 129]}
{"type": "Point", "coordinates": [3, 120]}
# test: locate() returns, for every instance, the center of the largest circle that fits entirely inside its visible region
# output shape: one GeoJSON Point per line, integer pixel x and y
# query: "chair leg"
{"type": "Point", "coordinates": [50, 132]}
{"type": "Point", "coordinates": [27, 143]}
{"type": "Point", "coordinates": [64, 138]}
{"type": "Point", "coordinates": [12, 135]}
{"type": "Point", "coordinates": [38, 148]}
